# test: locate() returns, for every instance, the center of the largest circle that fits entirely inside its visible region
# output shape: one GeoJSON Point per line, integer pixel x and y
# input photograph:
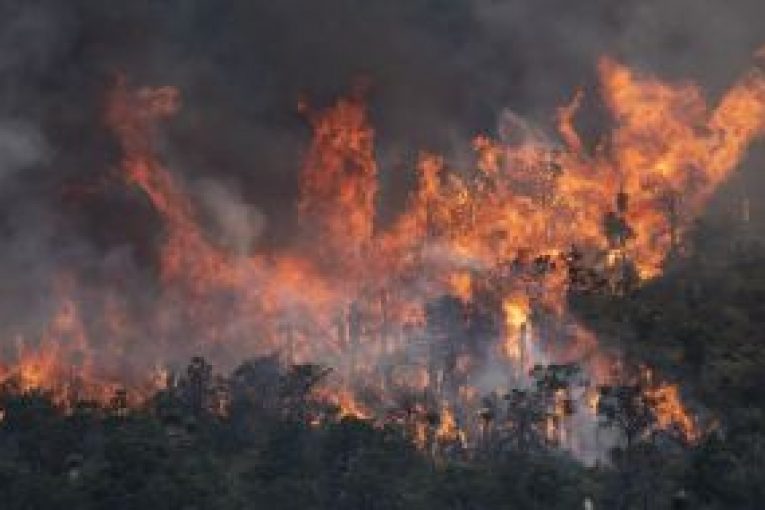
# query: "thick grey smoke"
{"type": "Point", "coordinates": [557, 42]}
{"type": "Point", "coordinates": [441, 70]}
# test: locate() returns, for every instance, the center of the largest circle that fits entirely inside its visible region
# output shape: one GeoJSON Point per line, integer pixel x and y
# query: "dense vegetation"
{"type": "Point", "coordinates": [177, 454]}
{"type": "Point", "coordinates": [701, 324]}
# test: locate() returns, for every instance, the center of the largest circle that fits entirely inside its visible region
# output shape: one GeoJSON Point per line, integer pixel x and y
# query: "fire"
{"type": "Point", "coordinates": [61, 359]}
{"type": "Point", "coordinates": [461, 285]}
{"type": "Point", "coordinates": [346, 403]}
{"type": "Point", "coordinates": [566, 116]}
{"type": "Point", "coordinates": [508, 238]}
{"type": "Point", "coordinates": [669, 410]}
{"type": "Point", "coordinates": [672, 150]}
{"type": "Point", "coordinates": [448, 429]}
{"type": "Point", "coordinates": [554, 430]}
{"type": "Point", "coordinates": [339, 181]}
{"type": "Point", "coordinates": [516, 310]}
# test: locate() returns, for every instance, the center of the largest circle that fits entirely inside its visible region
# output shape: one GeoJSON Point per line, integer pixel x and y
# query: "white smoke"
{"type": "Point", "coordinates": [22, 146]}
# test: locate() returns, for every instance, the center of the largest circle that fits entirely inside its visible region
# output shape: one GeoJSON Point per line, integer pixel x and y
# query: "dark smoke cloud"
{"type": "Point", "coordinates": [441, 71]}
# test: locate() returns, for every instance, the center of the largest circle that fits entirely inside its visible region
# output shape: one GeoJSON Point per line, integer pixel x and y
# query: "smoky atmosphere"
{"type": "Point", "coordinates": [373, 255]}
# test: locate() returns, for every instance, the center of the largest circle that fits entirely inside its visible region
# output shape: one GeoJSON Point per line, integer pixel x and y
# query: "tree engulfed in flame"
{"type": "Point", "coordinates": [504, 237]}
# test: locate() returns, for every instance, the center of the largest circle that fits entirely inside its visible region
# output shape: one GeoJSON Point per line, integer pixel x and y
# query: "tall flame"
{"type": "Point", "coordinates": [504, 236]}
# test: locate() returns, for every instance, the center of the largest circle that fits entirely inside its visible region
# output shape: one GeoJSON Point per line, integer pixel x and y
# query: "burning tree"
{"type": "Point", "coordinates": [643, 412]}
{"type": "Point", "coordinates": [477, 266]}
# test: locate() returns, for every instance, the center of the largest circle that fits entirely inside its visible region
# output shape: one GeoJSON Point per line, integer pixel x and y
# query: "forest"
{"type": "Point", "coordinates": [382, 255]}
{"type": "Point", "coordinates": [702, 323]}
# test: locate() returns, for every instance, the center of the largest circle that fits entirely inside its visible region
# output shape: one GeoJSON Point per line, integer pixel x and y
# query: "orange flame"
{"type": "Point", "coordinates": [351, 293]}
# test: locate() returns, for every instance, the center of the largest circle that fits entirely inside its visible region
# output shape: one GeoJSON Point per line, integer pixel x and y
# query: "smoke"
{"type": "Point", "coordinates": [237, 223]}
{"type": "Point", "coordinates": [441, 71]}
{"type": "Point", "coordinates": [21, 146]}
{"type": "Point", "coordinates": [555, 42]}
